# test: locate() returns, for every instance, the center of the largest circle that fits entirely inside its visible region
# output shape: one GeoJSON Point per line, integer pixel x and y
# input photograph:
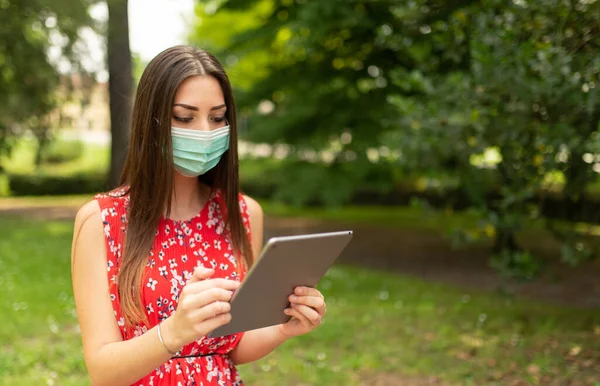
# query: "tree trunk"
{"type": "Point", "coordinates": [120, 86]}
{"type": "Point", "coordinates": [505, 240]}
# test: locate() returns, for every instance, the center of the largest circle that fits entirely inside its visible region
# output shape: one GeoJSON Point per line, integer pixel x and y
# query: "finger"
{"type": "Point", "coordinates": [293, 312]}
{"type": "Point", "coordinates": [311, 315]}
{"type": "Point", "coordinates": [202, 298]}
{"type": "Point", "coordinates": [204, 285]}
{"type": "Point", "coordinates": [307, 291]}
{"type": "Point", "coordinates": [209, 311]}
{"type": "Point", "coordinates": [213, 323]}
{"type": "Point", "coordinates": [315, 302]}
{"type": "Point", "coordinates": [201, 273]}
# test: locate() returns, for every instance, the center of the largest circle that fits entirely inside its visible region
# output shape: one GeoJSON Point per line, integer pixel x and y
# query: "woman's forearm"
{"type": "Point", "coordinates": [256, 344]}
{"type": "Point", "coordinates": [125, 362]}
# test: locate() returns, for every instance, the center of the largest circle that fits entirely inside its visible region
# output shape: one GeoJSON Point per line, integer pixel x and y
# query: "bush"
{"type": "Point", "coordinates": [62, 151]}
{"type": "Point", "coordinates": [52, 185]}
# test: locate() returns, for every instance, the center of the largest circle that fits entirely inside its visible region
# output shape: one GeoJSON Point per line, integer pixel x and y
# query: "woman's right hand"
{"type": "Point", "coordinates": [203, 306]}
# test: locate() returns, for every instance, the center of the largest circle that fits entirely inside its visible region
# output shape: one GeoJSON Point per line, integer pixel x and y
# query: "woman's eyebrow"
{"type": "Point", "coordinates": [217, 107]}
{"type": "Point", "coordinates": [194, 108]}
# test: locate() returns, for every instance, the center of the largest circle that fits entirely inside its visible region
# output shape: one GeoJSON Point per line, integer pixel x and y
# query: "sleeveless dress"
{"type": "Point", "coordinates": [179, 247]}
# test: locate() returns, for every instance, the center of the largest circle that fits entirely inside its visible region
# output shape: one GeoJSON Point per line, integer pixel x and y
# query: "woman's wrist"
{"type": "Point", "coordinates": [280, 335]}
{"type": "Point", "coordinates": [171, 339]}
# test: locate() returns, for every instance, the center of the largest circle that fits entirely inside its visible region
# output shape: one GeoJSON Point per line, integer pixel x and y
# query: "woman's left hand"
{"type": "Point", "coordinates": [307, 311]}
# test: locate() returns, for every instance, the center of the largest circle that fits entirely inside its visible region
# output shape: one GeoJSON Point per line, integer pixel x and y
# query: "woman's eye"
{"type": "Point", "coordinates": [218, 119]}
{"type": "Point", "coordinates": [180, 119]}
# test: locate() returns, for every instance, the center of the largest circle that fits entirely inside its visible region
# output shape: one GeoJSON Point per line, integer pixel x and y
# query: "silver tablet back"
{"type": "Point", "coordinates": [285, 263]}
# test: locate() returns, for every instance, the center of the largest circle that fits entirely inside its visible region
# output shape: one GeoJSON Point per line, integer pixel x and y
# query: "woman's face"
{"type": "Point", "coordinates": [199, 104]}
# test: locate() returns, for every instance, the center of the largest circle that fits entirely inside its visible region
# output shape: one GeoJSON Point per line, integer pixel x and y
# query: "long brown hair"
{"type": "Point", "coordinates": [148, 169]}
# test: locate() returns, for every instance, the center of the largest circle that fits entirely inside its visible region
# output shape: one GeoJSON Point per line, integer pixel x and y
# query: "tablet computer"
{"type": "Point", "coordinates": [284, 263]}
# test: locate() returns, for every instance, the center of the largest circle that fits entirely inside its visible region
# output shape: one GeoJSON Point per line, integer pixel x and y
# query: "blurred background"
{"type": "Point", "coordinates": [459, 139]}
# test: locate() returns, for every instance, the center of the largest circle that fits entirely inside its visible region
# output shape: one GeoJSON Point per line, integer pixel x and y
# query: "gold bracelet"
{"type": "Point", "coordinates": [162, 341]}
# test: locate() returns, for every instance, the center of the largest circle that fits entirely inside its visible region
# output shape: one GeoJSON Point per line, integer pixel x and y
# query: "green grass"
{"type": "Point", "coordinates": [390, 216]}
{"type": "Point", "coordinates": [376, 323]}
{"type": "Point", "coordinates": [95, 157]}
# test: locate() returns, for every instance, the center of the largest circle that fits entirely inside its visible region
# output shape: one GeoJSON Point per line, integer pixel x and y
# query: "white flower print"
{"type": "Point", "coordinates": [149, 308]}
{"type": "Point", "coordinates": [152, 284]}
{"type": "Point", "coordinates": [184, 258]}
{"type": "Point", "coordinates": [163, 271]}
{"type": "Point", "coordinates": [139, 330]}
{"type": "Point", "coordinates": [223, 266]}
{"type": "Point", "coordinates": [172, 263]}
{"type": "Point", "coordinates": [218, 244]}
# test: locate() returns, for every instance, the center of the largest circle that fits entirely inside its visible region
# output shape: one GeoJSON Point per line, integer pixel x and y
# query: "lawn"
{"type": "Point", "coordinates": [377, 323]}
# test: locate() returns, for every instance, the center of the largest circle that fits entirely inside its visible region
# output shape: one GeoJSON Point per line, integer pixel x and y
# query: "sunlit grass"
{"type": "Point", "coordinates": [377, 322]}
{"type": "Point", "coordinates": [21, 160]}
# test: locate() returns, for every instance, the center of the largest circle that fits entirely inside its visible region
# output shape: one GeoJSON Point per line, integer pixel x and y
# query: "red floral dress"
{"type": "Point", "coordinates": [178, 248]}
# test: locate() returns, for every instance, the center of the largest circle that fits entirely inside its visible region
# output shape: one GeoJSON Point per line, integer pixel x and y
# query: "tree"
{"type": "Point", "coordinates": [530, 95]}
{"type": "Point", "coordinates": [29, 76]}
{"type": "Point", "coordinates": [327, 70]}
{"type": "Point", "coordinates": [120, 85]}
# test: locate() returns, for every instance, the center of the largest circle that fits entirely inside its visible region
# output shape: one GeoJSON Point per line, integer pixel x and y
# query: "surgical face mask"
{"type": "Point", "coordinates": [196, 152]}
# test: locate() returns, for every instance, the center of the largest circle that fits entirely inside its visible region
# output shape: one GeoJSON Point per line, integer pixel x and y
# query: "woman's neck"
{"type": "Point", "coordinates": [189, 197]}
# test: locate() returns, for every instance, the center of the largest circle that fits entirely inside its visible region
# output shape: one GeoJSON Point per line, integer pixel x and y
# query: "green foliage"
{"type": "Point", "coordinates": [44, 184]}
{"type": "Point", "coordinates": [81, 168]}
{"type": "Point", "coordinates": [497, 95]}
{"type": "Point", "coordinates": [530, 94]}
{"type": "Point", "coordinates": [63, 151]}
{"type": "Point", "coordinates": [29, 76]}
{"type": "Point", "coordinates": [318, 75]}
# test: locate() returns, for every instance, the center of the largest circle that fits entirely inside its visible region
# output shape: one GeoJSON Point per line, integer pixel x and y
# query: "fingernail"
{"type": "Point", "coordinates": [293, 298]}
{"type": "Point", "coordinates": [287, 311]}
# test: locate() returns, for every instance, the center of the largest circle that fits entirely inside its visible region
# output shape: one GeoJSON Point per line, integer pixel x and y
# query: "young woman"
{"type": "Point", "coordinates": [154, 262]}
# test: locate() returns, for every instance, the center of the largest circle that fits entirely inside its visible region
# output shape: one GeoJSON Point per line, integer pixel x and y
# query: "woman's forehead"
{"type": "Point", "coordinates": [200, 91]}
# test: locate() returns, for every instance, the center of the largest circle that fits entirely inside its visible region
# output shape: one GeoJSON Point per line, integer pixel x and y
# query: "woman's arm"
{"type": "Point", "coordinates": [307, 308]}
{"type": "Point", "coordinates": [109, 359]}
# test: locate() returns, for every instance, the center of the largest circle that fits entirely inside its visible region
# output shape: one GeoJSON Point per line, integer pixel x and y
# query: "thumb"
{"type": "Point", "coordinates": [200, 273]}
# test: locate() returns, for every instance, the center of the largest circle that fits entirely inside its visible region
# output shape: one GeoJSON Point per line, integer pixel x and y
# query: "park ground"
{"type": "Point", "coordinates": [405, 307]}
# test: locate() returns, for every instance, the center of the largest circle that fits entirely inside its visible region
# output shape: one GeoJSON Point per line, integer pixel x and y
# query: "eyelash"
{"type": "Point", "coordinates": [185, 120]}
